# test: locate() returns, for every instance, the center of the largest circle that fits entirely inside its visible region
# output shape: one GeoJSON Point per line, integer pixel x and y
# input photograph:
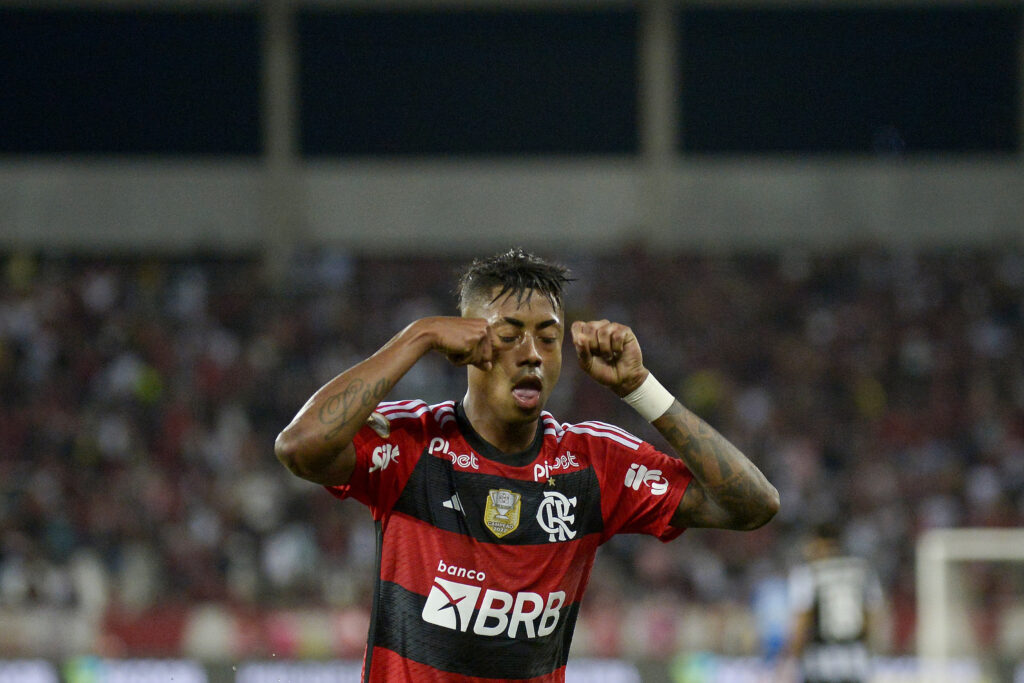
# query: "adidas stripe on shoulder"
{"type": "Point", "coordinates": [415, 409]}
{"type": "Point", "coordinates": [604, 430]}
{"type": "Point", "coordinates": [395, 410]}
{"type": "Point", "coordinates": [551, 425]}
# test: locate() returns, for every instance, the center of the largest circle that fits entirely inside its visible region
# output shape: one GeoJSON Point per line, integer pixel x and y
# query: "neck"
{"type": "Point", "coordinates": [508, 437]}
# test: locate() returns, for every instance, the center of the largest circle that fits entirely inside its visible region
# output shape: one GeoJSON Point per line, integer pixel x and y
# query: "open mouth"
{"type": "Point", "coordinates": [526, 392]}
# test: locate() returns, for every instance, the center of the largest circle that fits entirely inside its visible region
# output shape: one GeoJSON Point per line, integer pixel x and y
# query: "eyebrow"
{"type": "Point", "coordinates": [519, 323]}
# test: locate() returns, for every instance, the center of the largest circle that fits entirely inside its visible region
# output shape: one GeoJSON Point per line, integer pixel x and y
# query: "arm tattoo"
{"type": "Point", "coordinates": [338, 410]}
{"type": "Point", "coordinates": [729, 480]}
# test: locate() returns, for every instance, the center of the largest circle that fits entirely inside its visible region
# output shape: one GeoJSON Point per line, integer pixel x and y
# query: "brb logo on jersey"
{"type": "Point", "coordinates": [555, 516]}
{"type": "Point", "coordinates": [383, 456]}
{"type": "Point", "coordinates": [451, 605]}
{"type": "Point", "coordinates": [639, 475]}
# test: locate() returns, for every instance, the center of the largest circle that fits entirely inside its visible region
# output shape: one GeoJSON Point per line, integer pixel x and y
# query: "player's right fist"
{"type": "Point", "coordinates": [463, 341]}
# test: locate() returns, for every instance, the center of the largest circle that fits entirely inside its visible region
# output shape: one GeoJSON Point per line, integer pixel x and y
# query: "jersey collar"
{"type": "Point", "coordinates": [483, 448]}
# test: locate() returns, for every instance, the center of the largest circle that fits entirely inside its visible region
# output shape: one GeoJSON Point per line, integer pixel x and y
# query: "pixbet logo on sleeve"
{"type": "Point", "coordinates": [451, 605]}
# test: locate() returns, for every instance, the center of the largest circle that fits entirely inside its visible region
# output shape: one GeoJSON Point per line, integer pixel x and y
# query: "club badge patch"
{"type": "Point", "coordinates": [501, 515]}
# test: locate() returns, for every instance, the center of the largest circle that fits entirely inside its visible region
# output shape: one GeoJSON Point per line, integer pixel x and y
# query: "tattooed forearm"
{"type": "Point", "coordinates": [338, 410]}
{"type": "Point", "coordinates": [741, 495]}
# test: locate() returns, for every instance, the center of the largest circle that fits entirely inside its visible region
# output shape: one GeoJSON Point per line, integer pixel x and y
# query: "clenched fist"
{"type": "Point", "coordinates": [609, 352]}
{"type": "Point", "coordinates": [463, 341]}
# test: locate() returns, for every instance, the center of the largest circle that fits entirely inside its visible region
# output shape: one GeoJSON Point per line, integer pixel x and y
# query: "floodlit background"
{"type": "Point", "coordinates": [810, 211]}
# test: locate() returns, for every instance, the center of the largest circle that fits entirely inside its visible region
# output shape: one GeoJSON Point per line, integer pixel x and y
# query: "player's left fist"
{"type": "Point", "coordinates": [610, 353]}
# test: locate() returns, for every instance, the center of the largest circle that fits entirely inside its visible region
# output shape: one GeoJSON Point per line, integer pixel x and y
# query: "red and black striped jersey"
{"type": "Point", "coordinates": [483, 556]}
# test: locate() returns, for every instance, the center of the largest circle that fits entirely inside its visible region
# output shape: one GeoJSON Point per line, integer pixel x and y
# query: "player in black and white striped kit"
{"type": "Point", "coordinates": [836, 600]}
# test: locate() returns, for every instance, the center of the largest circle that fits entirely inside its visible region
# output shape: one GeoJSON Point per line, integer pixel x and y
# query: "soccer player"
{"type": "Point", "coordinates": [489, 511]}
{"type": "Point", "coordinates": [836, 601]}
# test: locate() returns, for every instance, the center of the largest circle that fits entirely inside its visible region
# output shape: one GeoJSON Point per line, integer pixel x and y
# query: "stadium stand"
{"type": "Point", "coordinates": [142, 512]}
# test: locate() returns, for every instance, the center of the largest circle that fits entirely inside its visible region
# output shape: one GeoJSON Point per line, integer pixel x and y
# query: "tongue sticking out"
{"type": "Point", "coordinates": [526, 397]}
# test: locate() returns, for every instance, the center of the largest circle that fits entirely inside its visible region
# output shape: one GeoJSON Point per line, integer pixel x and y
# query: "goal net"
{"type": "Point", "coordinates": [970, 602]}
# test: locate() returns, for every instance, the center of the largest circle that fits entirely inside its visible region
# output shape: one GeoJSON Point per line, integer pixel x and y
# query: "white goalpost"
{"type": "Point", "coordinates": [938, 551]}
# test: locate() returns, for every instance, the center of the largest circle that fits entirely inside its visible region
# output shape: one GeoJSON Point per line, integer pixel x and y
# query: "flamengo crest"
{"type": "Point", "coordinates": [556, 517]}
{"type": "Point", "coordinates": [501, 515]}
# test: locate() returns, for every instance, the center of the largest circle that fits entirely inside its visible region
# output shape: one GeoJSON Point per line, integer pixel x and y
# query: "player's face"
{"type": "Point", "coordinates": [527, 340]}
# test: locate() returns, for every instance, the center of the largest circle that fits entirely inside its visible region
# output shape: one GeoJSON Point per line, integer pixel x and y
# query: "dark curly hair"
{"type": "Point", "coordinates": [515, 273]}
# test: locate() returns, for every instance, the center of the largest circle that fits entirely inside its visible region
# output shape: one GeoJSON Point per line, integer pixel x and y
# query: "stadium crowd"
{"type": "Point", "coordinates": [140, 398]}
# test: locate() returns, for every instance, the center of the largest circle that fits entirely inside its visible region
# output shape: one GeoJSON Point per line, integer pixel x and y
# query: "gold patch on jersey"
{"type": "Point", "coordinates": [379, 424]}
{"type": "Point", "coordinates": [501, 515]}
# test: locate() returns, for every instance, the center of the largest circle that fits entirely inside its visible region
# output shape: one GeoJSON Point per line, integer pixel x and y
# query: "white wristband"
{"type": "Point", "coordinates": [650, 399]}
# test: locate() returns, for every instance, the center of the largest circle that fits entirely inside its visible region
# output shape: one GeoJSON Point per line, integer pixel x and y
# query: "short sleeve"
{"type": "Point", "coordinates": [640, 490]}
{"type": "Point", "coordinates": [387, 449]}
